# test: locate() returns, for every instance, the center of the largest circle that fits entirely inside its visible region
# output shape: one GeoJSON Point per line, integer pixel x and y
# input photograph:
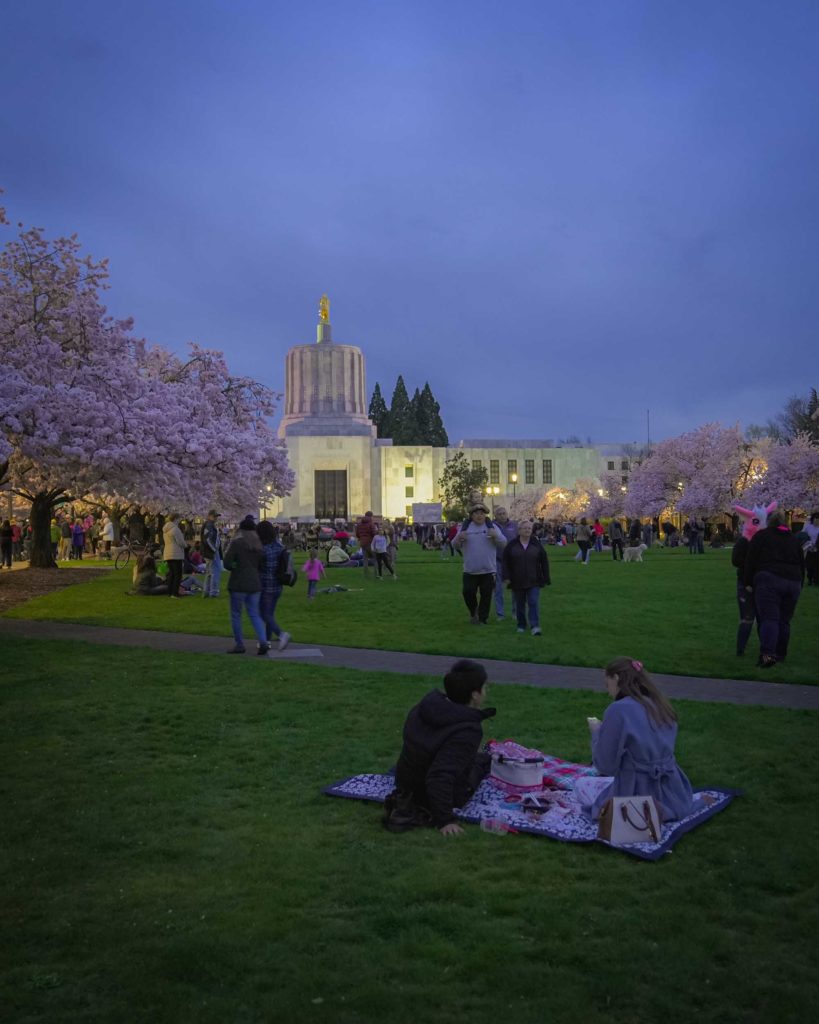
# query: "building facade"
{"type": "Point", "coordinates": [342, 469]}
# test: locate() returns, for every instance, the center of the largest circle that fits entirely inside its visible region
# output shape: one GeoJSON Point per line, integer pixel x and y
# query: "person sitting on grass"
{"type": "Point", "coordinates": [440, 768]}
{"type": "Point", "coordinates": [633, 747]}
{"type": "Point", "coordinates": [146, 581]}
{"type": "Point", "coordinates": [338, 558]}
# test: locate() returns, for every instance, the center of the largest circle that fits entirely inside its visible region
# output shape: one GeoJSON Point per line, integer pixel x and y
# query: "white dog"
{"type": "Point", "coordinates": [635, 554]}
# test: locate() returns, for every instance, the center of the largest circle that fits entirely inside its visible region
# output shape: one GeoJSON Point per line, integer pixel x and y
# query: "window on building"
{"type": "Point", "coordinates": [409, 492]}
{"type": "Point", "coordinates": [624, 479]}
{"type": "Point", "coordinates": [529, 469]}
{"type": "Point", "coordinates": [511, 470]}
{"type": "Point", "coordinates": [547, 471]}
{"type": "Point", "coordinates": [477, 464]}
{"type": "Point", "coordinates": [611, 465]}
{"type": "Point", "coordinates": [494, 471]}
{"type": "Point", "coordinates": [409, 471]}
{"type": "Point", "coordinates": [624, 464]}
{"type": "Point", "coordinates": [408, 512]}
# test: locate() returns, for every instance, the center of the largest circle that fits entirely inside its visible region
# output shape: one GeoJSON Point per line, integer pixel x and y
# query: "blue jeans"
{"type": "Point", "coordinates": [311, 588]}
{"type": "Point", "coordinates": [527, 600]}
{"type": "Point", "coordinates": [213, 574]}
{"type": "Point", "coordinates": [267, 610]}
{"type": "Point", "coordinates": [251, 603]}
{"type": "Point", "coordinates": [775, 599]}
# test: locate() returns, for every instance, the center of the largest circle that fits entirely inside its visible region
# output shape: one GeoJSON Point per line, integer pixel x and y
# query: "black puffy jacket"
{"type": "Point", "coordinates": [441, 739]}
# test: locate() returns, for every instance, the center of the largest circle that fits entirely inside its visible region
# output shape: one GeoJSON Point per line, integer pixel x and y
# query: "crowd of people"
{"type": "Point", "coordinates": [498, 555]}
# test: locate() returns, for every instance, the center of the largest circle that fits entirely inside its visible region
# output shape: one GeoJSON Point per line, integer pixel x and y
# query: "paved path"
{"type": "Point", "coordinates": [728, 691]}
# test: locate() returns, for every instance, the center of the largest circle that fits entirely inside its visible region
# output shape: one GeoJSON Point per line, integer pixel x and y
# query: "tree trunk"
{"type": "Point", "coordinates": [42, 506]}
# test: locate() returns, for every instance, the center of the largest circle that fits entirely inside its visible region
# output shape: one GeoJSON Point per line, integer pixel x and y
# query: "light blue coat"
{"type": "Point", "coordinates": [640, 755]}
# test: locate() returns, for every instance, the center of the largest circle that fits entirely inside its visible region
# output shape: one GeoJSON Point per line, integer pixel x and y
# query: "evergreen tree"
{"type": "Point", "coordinates": [378, 413]}
{"type": "Point", "coordinates": [419, 435]}
{"type": "Point", "coordinates": [401, 420]}
{"type": "Point", "coordinates": [430, 421]}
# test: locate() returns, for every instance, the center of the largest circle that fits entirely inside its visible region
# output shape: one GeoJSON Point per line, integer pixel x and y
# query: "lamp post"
{"type": "Point", "coordinates": [514, 479]}
{"type": "Point", "coordinates": [491, 492]}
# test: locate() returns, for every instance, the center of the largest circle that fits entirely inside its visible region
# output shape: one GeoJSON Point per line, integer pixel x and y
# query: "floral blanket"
{"type": "Point", "coordinates": [564, 821]}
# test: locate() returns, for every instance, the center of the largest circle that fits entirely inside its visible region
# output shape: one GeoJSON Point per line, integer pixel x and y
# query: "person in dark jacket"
{"type": "Point", "coordinates": [439, 767]}
{"type": "Point", "coordinates": [775, 572]}
{"type": "Point", "coordinates": [243, 560]}
{"type": "Point", "coordinates": [5, 544]}
{"type": "Point", "coordinates": [526, 567]}
{"type": "Point", "coordinates": [616, 538]}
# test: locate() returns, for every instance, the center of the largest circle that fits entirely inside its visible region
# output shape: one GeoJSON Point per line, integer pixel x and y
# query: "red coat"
{"type": "Point", "coordinates": [365, 531]}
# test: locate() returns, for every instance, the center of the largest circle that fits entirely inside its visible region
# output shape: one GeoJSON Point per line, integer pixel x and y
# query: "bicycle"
{"type": "Point", "coordinates": [127, 549]}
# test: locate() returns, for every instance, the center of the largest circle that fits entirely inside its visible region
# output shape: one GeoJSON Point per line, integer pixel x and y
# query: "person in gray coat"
{"type": "Point", "coordinates": [480, 541]}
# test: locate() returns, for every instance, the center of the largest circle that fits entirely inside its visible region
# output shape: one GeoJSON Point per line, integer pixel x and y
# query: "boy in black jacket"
{"type": "Point", "coordinates": [439, 767]}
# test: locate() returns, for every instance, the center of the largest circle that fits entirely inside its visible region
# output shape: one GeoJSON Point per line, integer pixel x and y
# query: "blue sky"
{"type": "Point", "coordinates": [559, 213]}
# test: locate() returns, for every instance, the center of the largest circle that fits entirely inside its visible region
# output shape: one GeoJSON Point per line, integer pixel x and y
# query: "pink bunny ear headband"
{"type": "Point", "coordinates": [637, 666]}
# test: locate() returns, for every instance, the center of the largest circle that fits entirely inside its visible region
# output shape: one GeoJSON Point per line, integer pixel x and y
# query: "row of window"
{"type": "Point", "coordinates": [512, 471]}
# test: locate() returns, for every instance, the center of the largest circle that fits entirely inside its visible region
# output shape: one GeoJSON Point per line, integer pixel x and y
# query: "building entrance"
{"type": "Point", "coordinates": [331, 493]}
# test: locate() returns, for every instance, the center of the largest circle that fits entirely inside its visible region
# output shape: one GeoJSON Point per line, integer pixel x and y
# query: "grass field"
{"type": "Point", "coordinates": [168, 857]}
{"type": "Point", "coordinates": [676, 612]}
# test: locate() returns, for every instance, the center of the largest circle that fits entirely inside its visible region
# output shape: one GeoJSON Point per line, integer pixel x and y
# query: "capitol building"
{"type": "Point", "coordinates": [342, 469]}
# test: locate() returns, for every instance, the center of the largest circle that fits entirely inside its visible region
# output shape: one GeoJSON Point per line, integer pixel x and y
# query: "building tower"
{"type": "Point", "coordinates": [325, 387]}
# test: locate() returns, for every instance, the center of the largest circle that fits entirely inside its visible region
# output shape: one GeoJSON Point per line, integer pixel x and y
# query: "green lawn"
{"type": "Point", "coordinates": [167, 856]}
{"type": "Point", "coordinates": [676, 612]}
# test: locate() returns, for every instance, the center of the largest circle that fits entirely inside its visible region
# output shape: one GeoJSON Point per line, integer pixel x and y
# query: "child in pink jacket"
{"type": "Point", "coordinates": [314, 571]}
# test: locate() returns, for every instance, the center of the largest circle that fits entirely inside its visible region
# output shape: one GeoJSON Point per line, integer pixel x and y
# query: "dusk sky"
{"type": "Point", "coordinates": [560, 214]}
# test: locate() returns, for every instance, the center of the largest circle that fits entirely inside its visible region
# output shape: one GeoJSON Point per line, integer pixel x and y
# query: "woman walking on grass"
{"type": "Point", "coordinates": [243, 559]}
{"type": "Point", "coordinates": [272, 553]}
{"type": "Point", "coordinates": [382, 559]}
{"type": "Point", "coordinates": [583, 536]}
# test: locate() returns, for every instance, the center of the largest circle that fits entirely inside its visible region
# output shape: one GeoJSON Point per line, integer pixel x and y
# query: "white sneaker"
{"type": "Point", "coordinates": [284, 640]}
{"type": "Point", "coordinates": [536, 631]}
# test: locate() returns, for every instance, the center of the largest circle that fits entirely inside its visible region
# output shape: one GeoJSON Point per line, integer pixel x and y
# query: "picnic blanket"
{"type": "Point", "coordinates": [564, 822]}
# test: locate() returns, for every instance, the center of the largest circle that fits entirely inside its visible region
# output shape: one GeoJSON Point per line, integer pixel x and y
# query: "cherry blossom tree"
{"type": "Point", "coordinates": [790, 477]}
{"type": "Point", "coordinates": [701, 472]}
{"type": "Point", "coordinates": [608, 500]}
{"type": "Point", "coordinates": [566, 503]}
{"type": "Point", "coordinates": [214, 445]}
{"type": "Point", "coordinates": [66, 412]}
{"type": "Point", "coordinates": [87, 408]}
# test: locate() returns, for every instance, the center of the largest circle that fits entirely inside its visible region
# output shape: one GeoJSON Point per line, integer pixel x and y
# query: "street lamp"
{"type": "Point", "coordinates": [491, 492]}
{"type": "Point", "coordinates": [514, 479]}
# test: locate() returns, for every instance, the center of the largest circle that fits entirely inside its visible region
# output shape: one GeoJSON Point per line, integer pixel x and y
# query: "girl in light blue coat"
{"type": "Point", "coordinates": [633, 747]}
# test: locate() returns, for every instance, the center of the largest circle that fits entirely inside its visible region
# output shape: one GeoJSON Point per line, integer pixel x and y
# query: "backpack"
{"type": "Point", "coordinates": [285, 570]}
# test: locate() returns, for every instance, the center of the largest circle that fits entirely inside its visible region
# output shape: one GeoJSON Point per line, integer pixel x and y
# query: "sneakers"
{"type": "Point", "coordinates": [474, 620]}
{"type": "Point", "coordinates": [284, 640]}
{"type": "Point", "coordinates": [520, 629]}
{"type": "Point", "coordinates": [262, 649]}
{"type": "Point", "coordinates": [536, 631]}
{"type": "Point", "coordinates": [236, 649]}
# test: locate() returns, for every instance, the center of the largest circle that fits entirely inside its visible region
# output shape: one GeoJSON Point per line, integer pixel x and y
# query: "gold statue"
{"type": "Point", "coordinates": [324, 309]}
